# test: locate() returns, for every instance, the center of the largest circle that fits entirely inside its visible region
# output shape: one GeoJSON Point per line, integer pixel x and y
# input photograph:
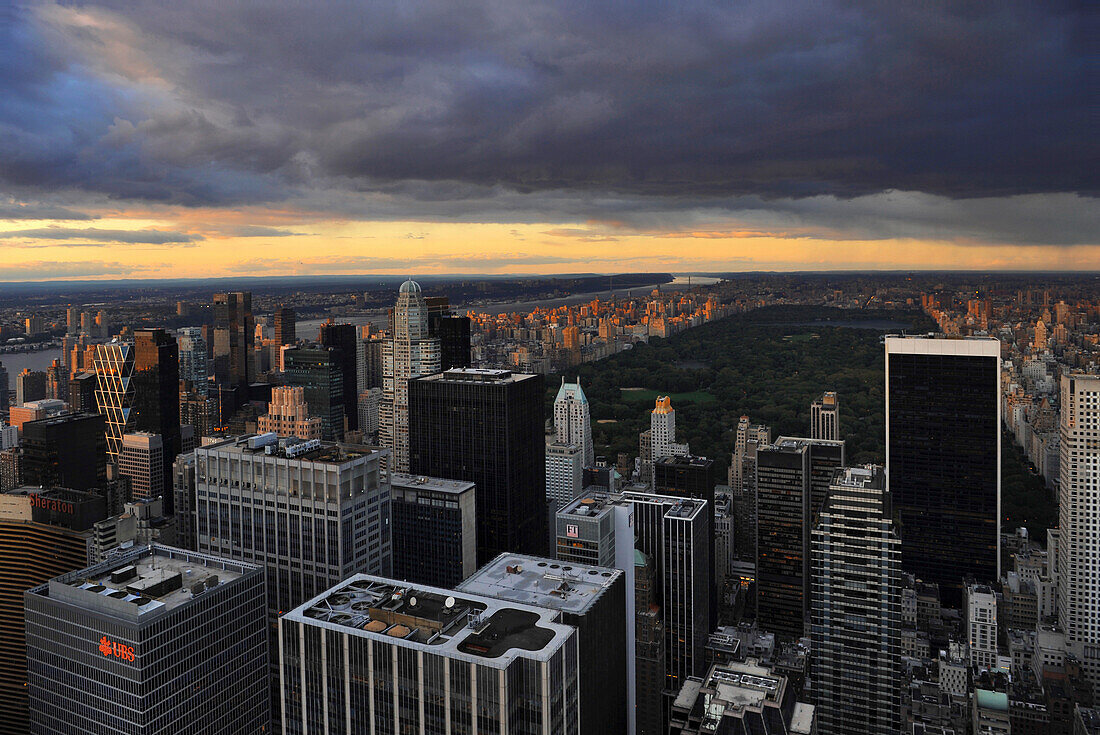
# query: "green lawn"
{"type": "Point", "coordinates": [644, 395]}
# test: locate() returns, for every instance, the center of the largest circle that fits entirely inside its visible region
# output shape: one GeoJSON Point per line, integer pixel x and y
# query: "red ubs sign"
{"type": "Point", "coordinates": [116, 649]}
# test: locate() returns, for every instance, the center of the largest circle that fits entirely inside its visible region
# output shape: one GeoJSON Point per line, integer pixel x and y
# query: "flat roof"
{"type": "Point", "coordinates": [478, 375]}
{"type": "Point", "coordinates": [148, 580]}
{"type": "Point", "coordinates": [457, 624]}
{"type": "Point", "coordinates": [533, 580]}
{"type": "Point", "coordinates": [940, 344]}
{"type": "Point", "coordinates": [435, 484]}
{"type": "Point", "coordinates": [323, 452]}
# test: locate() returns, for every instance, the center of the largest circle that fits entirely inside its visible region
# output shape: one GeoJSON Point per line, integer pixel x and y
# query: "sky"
{"type": "Point", "coordinates": [217, 138]}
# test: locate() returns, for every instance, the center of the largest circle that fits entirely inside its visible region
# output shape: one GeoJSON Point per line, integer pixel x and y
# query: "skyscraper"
{"type": "Point", "coordinates": [194, 370]}
{"type": "Point", "coordinates": [317, 371]}
{"type": "Point", "coordinates": [234, 333]}
{"type": "Point", "coordinates": [409, 353]}
{"type": "Point", "coordinates": [68, 451]}
{"type": "Point", "coordinates": [1078, 554]}
{"type": "Point", "coordinates": [746, 433]}
{"type": "Point", "coordinates": [114, 369]}
{"type": "Point", "coordinates": [825, 417]}
{"type": "Point", "coordinates": [590, 598]}
{"type": "Point", "coordinates": [30, 385]}
{"type": "Point", "coordinates": [943, 456]}
{"type": "Point", "coordinates": [434, 529]}
{"type": "Point", "coordinates": [311, 512]}
{"type": "Point", "coordinates": [342, 337]}
{"type": "Point", "coordinates": [486, 427]}
{"type": "Point", "coordinates": [452, 331]}
{"type": "Point", "coordinates": [564, 473]}
{"type": "Point", "coordinates": [156, 405]}
{"type": "Point", "coordinates": [285, 326]}
{"type": "Point", "coordinates": [43, 533]}
{"type": "Point", "coordinates": [378, 655]}
{"type": "Point", "coordinates": [288, 415]}
{"type": "Point", "coordinates": [855, 618]}
{"type": "Point", "coordinates": [159, 641]}
{"type": "Point", "coordinates": [573, 420]}
{"type": "Point", "coordinates": [142, 459]}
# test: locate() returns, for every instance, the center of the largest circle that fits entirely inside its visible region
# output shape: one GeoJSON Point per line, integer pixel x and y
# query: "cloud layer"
{"type": "Point", "coordinates": [820, 118]}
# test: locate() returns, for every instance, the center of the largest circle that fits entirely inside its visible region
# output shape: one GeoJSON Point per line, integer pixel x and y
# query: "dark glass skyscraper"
{"type": "Point", "coordinates": [156, 406]}
{"type": "Point", "coordinates": [285, 325]}
{"type": "Point", "coordinates": [452, 331]}
{"type": "Point", "coordinates": [943, 456]}
{"type": "Point", "coordinates": [234, 333]}
{"type": "Point", "coordinates": [486, 427]}
{"type": "Point", "coordinates": [344, 339]}
{"type": "Point", "coordinates": [65, 451]}
{"type": "Point", "coordinates": [434, 529]}
{"type": "Point", "coordinates": [317, 370]}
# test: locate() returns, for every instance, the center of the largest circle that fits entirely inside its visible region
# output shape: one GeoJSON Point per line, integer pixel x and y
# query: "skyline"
{"type": "Point", "coordinates": [143, 141]}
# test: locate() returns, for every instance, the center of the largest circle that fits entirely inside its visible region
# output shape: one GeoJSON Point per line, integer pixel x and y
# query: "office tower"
{"type": "Point", "coordinates": [156, 405]}
{"type": "Point", "coordinates": [72, 319]}
{"type": "Point", "coordinates": [184, 499]}
{"type": "Point", "coordinates": [675, 534]}
{"type": "Point", "coordinates": [690, 477]}
{"type": "Point", "coordinates": [825, 417]}
{"type": "Point", "coordinates": [69, 451]}
{"type": "Point", "coordinates": [943, 457]}
{"type": "Point", "coordinates": [3, 387]}
{"type": "Point", "coordinates": [234, 333]}
{"type": "Point", "coordinates": [9, 436]}
{"type": "Point", "coordinates": [649, 650]}
{"type": "Point", "coordinates": [194, 370]}
{"type": "Point", "coordinates": [317, 371]}
{"type": "Point", "coordinates": [142, 459]}
{"type": "Point", "coordinates": [409, 353]}
{"type": "Point", "coordinates": [573, 420]}
{"type": "Point", "coordinates": [288, 415]}
{"type": "Point", "coordinates": [981, 625]}
{"type": "Point", "coordinates": [486, 427]}
{"type": "Point", "coordinates": [746, 697]}
{"type": "Point", "coordinates": [43, 533]}
{"type": "Point", "coordinates": [327, 505]}
{"type": "Point", "coordinates": [114, 368]}
{"type": "Point", "coordinates": [590, 598]}
{"type": "Point", "coordinates": [343, 338]}
{"type": "Point", "coordinates": [747, 433]}
{"type": "Point", "coordinates": [285, 326]}
{"type": "Point", "coordinates": [158, 641]}
{"type": "Point", "coordinates": [855, 618]}
{"type": "Point", "coordinates": [434, 529]}
{"type": "Point", "coordinates": [564, 473]}
{"type": "Point", "coordinates": [1078, 553]}
{"type": "Point", "coordinates": [370, 411]}
{"type": "Point", "coordinates": [724, 527]}
{"type": "Point", "coordinates": [30, 385]}
{"type": "Point", "coordinates": [400, 658]}
{"type": "Point", "coordinates": [452, 331]}
{"type": "Point", "coordinates": [82, 387]}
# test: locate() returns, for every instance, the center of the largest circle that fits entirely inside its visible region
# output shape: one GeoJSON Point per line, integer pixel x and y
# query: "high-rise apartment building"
{"type": "Point", "coordinates": [43, 533]}
{"type": "Point", "coordinates": [370, 412]}
{"type": "Point", "coordinates": [662, 425]}
{"type": "Point", "coordinates": [486, 427]}
{"type": "Point", "coordinates": [855, 611]}
{"type": "Point", "coordinates": [590, 598]}
{"type": "Point", "coordinates": [943, 456]}
{"type": "Point", "coordinates": [160, 641]}
{"type": "Point", "coordinates": [82, 388]}
{"type": "Point", "coordinates": [317, 371]}
{"type": "Point", "coordinates": [825, 417]}
{"type": "Point", "coordinates": [747, 433]}
{"type": "Point", "coordinates": [288, 415]}
{"type": "Point", "coordinates": [343, 338]}
{"type": "Point", "coordinates": [981, 625]}
{"type": "Point", "coordinates": [234, 334]}
{"type": "Point", "coordinates": [410, 352]}
{"type": "Point", "coordinates": [379, 655]}
{"type": "Point", "coordinates": [4, 384]}
{"type": "Point", "coordinates": [285, 326]}
{"type": "Point", "coordinates": [30, 385]}
{"type": "Point", "coordinates": [68, 451]}
{"type": "Point", "coordinates": [573, 420]}
{"type": "Point", "coordinates": [1078, 552]}
{"type": "Point", "coordinates": [434, 532]}
{"type": "Point", "coordinates": [368, 364]}
{"type": "Point", "coordinates": [312, 512]}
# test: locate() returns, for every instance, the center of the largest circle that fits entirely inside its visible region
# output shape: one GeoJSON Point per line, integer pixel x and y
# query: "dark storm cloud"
{"type": "Point", "coordinates": [639, 106]}
{"type": "Point", "coordinates": [151, 237]}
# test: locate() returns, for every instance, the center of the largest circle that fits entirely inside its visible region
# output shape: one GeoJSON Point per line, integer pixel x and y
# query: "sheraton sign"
{"type": "Point", "coordinates": [61, 506]}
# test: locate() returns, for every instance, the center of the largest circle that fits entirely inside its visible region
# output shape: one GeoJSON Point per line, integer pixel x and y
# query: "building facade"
{"type": "Point", "coordinates": [573, 420]}
{"type": "Point", "coordinates": [825, 417]}
{"type": "Point", "coordinates": [288, 415]}
{"type": "Point", "coordinates": [158, 641]}
{"type": "Point", "coordinates": [434, 529]}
